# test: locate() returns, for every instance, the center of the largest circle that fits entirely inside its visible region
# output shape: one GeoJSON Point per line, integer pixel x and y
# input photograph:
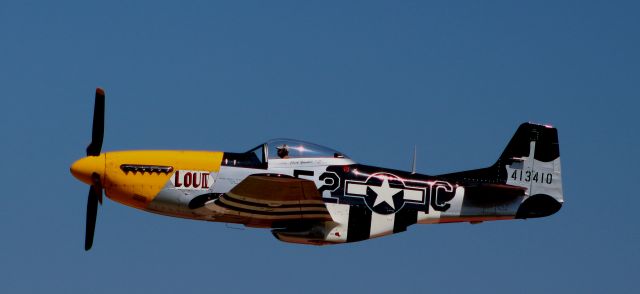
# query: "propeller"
{"type": "Point", "coordinates": [95, 197]}
{"type": "Point", "coordinates": [97, 132]}
{"type": "Point", "coordinates": [95, 191]}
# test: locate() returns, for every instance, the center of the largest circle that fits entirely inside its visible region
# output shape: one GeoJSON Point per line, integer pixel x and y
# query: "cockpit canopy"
{"type": "Point", "coordinates": [288, 148]}
{"type": "Point", "coordinates": [279, 149]}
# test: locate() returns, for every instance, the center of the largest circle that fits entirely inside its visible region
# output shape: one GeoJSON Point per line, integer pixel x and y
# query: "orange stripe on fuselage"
{"type": "Point", "coordinates": [139, 189]}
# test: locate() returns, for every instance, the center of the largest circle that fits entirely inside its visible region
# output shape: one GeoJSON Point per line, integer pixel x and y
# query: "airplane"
{"type": "Point", "coordinates": [310, 194]}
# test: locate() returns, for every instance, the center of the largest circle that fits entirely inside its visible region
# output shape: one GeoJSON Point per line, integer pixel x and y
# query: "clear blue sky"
{"type": "Point", "coordinates": [368, 78]}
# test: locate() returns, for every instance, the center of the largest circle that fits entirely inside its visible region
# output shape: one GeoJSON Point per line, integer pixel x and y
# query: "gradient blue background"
{"type": "Point", "coordinates": [369, 78]}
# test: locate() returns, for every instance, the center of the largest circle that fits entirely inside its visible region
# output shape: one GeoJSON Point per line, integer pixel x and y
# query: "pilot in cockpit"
{"type": "Point", "coordinates": [283, 151]}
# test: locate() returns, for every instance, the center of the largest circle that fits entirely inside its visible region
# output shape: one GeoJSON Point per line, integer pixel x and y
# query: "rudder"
{"type": "Point", "coordinates": [532, 160]}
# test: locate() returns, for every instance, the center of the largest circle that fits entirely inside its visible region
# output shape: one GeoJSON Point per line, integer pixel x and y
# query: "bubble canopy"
{"type": "Point", "coordinates": [289, 148]}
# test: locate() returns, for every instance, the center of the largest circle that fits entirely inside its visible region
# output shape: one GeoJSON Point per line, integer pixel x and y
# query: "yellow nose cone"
{"type": "Point", "coordinates": [83, 168]}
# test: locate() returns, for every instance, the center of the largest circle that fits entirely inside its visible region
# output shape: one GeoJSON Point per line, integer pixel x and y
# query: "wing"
{"type": "Point", "coordinates": [272, 200]}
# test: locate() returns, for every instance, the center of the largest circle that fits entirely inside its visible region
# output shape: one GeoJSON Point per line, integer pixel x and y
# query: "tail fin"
{"type": "Point", "coordinates": [531, 160]}
{"type": "Point", "coordinates": [541, 141]}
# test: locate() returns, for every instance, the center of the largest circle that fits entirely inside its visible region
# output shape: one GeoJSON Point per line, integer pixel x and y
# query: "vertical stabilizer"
{"type": "Point", "coordinates": [532, 160]}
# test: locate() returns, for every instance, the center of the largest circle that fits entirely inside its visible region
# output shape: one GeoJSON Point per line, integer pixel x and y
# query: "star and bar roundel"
{"type": "Point", "coordinates": [386, 193]}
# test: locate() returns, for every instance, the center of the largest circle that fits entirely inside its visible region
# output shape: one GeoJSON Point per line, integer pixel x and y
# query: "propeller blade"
{"type": "Point", "coordinates": [95, 178]}
{"type": "Point", "coordinates": [92, 212]}
{"type": "Point", "coordinates": [97, 133]}
{"type": "Point", "coordinates": [95, 196]}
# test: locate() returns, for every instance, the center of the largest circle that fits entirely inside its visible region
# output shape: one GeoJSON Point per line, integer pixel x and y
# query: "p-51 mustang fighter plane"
{"type": "Point", "coordinates": [310, 194]}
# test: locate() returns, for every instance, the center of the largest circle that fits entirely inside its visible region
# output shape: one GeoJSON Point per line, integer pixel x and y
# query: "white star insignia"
{"type": "Point", "coordinates": [384, 193]}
